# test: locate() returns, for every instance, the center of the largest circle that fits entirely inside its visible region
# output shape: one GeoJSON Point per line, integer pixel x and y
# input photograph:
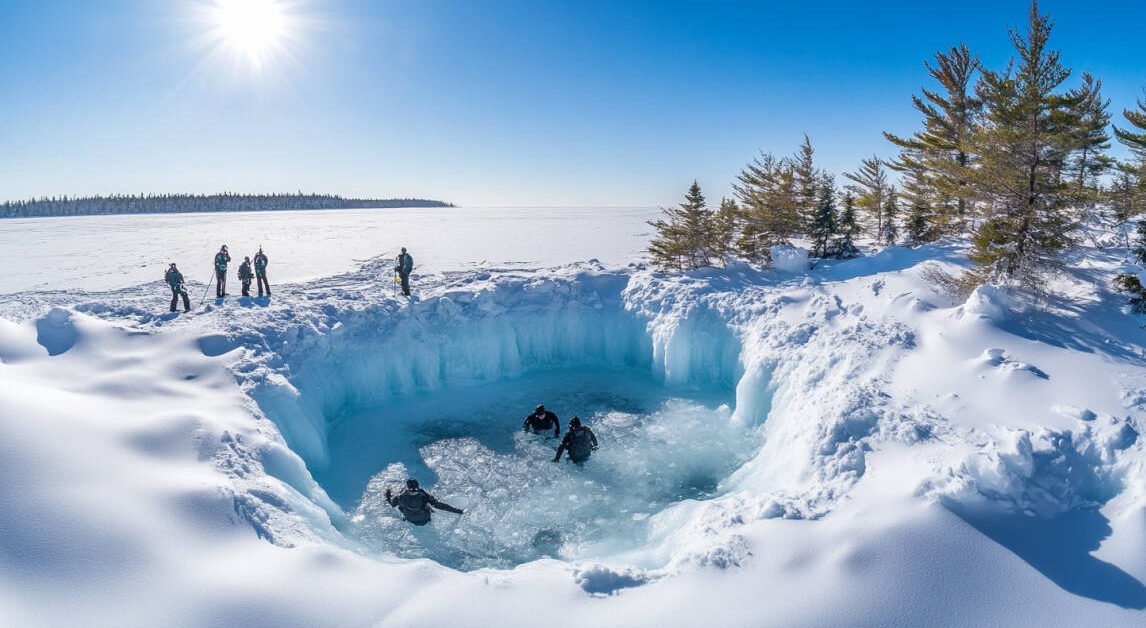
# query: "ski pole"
{"type": "Point", "coordinates": [206, 289]}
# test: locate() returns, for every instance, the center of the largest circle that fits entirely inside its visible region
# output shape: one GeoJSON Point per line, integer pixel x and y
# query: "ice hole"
{"type": "Point", "coordinates": [466, 446]}
{"type": "Point", "coordinates": [438, 390]}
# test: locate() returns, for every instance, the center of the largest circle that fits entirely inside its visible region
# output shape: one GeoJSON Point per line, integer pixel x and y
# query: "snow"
{"type": "Point", "coordinates": [111, 252]}
{"type": "Point", "coordinates": [832, 445]}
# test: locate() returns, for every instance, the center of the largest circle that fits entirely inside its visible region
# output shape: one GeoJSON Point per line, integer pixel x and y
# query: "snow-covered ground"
{"type": "Point", "coordinates": [110, 252]}
{"type": "Point", "coordinates": [837, 446]}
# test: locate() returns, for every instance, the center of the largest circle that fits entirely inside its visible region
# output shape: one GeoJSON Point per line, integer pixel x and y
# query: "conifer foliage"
{"type": "Point", "coordinates": [1013, 158]}
{"type": "Point", "coordinates": [1029, 135]}
{"type": "Point", "coordinates": [684, 235]}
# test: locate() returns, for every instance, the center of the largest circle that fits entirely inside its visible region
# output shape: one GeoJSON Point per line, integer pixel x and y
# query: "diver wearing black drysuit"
{"type": "Point", "coordinates": [542, 420]}
{"type": "Point", "coordinates": [579, 441]}
{"type": "Point", "coordinates": [414, 503]}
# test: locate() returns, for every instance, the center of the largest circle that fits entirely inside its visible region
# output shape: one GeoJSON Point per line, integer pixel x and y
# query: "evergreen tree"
{"type": "Point", "coordinates": [682, 240]}
{"type": "Point", "coordinates": [1092, 139]}
{"type": "Point", "coordinates": [1134, 140]}
{"type": "Point", "coordinates": [808, 183]}
{"type": "Point", "coordinates": [766, 191]}
{"type": "Point", "coordinates": [943, 148]}
{"type": "Point", "coordinates": [847, 228]}
{"type": "Point", "coordinates": [1030, 133]}
{"type": "Point", "coordinates": [919, 226]}
{"type": "Point", "coordinates": [871, 187]}
{"type": "Point", "coordinates": [723, 230]}
{"type": "Point", "coordinates": [1127, 199]}
{"type": "Point", "coordinates": [823, 229]}
{"type": "Point", "coordinates": [1132, 179]}
{"type": "Point", "coordinates": [891, 218]}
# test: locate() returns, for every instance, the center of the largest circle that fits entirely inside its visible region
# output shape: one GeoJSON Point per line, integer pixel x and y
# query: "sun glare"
{"type": "Point", "coordinates": [253, 31]}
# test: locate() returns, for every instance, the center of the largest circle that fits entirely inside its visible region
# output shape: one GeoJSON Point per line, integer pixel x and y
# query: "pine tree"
{"type": "Point", "coordinates": [1132, 180]}
{"type": "Point", "coordinates": [871, 188]}
{"type": "Point", "coordinates": [723, 230]}
{"type": "Point", "coordinates": [823, 229]}
{"type": "Point", "coordinates": [766, 191]}
{"type": "Point", "coordinates": [891, 217]}
{"type": "Point", "coordinates": [1092, 139]}
{"type": "Point", "coordinates": [1029, 135]}
{"type": "Point", "coordinates": [847, 228]}
{"type": "Point", "coordinates": [943, 149]}
{"type": "Point", "coordinates": [682, 240]}
{"type": "Point", "coordinates": [919, 227]}
{"type": "Point", "coordinates": [808, 180]}
{"type": "Point", "coordinates": [1134, 140]}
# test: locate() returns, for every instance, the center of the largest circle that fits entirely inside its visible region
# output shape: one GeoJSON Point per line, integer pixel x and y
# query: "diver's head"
{"type": "Point", "coordinates": [575, 422]}
{"type": "Point", "coordinates": [411, 483]}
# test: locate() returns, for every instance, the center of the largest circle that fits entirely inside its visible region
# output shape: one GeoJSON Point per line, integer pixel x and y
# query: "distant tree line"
{"type": "Point", "coordinates": [195, 203]}
{"type": "Point", "coordinates": [1013, 158]}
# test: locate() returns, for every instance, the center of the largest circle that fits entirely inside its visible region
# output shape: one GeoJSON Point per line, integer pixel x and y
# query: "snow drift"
{"type": "Point", "coordinates": [845, 440]}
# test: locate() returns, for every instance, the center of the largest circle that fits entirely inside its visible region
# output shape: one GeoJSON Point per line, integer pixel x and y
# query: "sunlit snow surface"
{"type": "Point", "coordinates": [62, 253]}
{"type": "Point", "coordinates": [841, 445]}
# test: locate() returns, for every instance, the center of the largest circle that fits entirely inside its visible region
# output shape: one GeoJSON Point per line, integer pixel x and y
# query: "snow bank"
{"type": "Point", "coordinates": [866, 452]}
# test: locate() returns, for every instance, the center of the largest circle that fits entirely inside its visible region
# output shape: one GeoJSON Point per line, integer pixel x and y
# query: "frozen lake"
{"type": "Point", "coordinates": [111, 252]}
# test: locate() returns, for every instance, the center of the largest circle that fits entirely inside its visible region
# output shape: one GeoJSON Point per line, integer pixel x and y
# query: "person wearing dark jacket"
{"type": "Point", "coordinates": [222, 258]}
{"type": "Point", "coordinates": [261, 271]}
{"type": "Point", "coordinates": [579, 441]}
{"type": "Point", "coordinates": [542, 420]}
{"type": "Point", "coordinates": [245, 276]}
{"type": "Point", "coordinates": [174, 278]}
{"type": "Point", "coordinates": [404, 267]}
{"type": "Point", "coordinates": [415, 504]}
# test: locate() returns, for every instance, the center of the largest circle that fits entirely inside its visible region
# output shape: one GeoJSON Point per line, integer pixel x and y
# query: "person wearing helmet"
{"type": "Point", "coordinates": [415, 504]}
{"type": "Point", "coordinates": [245, 276]}
{"type": "Point", "coordinates": [542, 420]}
{"type": "Point", "coordinates": [222, 258]}
{"type": "Point", "coordinates": [579, 441]}
{"type": "Point", "coordinates": [261, 272]}
{"type": "Point", "coordinates": [404, 268]}
{"type": "Point", "coordinates": [174, 278]}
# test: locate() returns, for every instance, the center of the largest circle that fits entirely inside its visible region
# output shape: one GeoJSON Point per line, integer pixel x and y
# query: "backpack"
{"type": "Point", "coordinates": [580, 443]}
{"type": "Point", "coordinates": [414, 505]}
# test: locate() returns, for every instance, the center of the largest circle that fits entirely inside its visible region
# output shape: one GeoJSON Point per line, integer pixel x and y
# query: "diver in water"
{"type": "Point", "coordinates": [579, 441]}
{"type": "Point", "coordinates": [542, 420]}
{"type": "Point", "coordinates": [415, 504]}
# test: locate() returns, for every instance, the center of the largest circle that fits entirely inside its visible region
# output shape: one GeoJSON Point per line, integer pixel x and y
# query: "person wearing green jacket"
{"type": "Point", "coordinates": [261, 271]}
{"type": "Point", "coordinates": [222, 258]}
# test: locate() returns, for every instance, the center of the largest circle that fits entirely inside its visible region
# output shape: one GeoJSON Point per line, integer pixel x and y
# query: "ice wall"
{"type": "Point", "coordinates": [484, 329]}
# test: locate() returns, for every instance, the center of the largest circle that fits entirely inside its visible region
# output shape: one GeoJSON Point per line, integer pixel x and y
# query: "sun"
{"type": "Point", "coordinates": [252, 31]}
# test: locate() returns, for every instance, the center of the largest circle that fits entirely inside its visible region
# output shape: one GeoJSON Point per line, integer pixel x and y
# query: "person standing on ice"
{"type": "Point", "coordinates": [415, 504]}
{"type": "Point", "coordinates": [174, 278]}
{"type": "Point", "coordinates": [245, 276]}
{"type": "Point", "coordinates": [261, 271]}
{"type": "Point", "coordinates": [542, 420]}
{"type": "Point", "coordinates": [579, 441]}
{"type": "Point", "coordinates": [222, 258]}
{"type": "Point", "coordinates": [404, 268]}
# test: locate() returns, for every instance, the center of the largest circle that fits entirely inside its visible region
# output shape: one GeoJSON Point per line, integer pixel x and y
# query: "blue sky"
{"type": "Point", "coordinates": [490, 102]}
